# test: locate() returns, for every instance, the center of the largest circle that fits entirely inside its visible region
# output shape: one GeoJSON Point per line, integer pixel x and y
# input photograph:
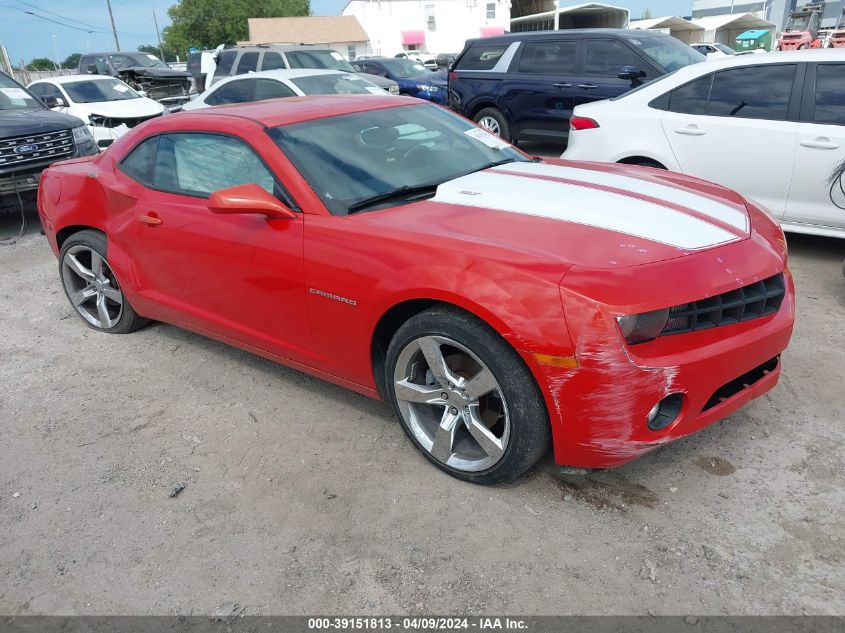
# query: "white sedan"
{"type": "Point", "coordinates": [275, 84]}
{"type": "Point", "coordinates": [772, 127]}
{"type": "Point", "coordinates": [107, 105]}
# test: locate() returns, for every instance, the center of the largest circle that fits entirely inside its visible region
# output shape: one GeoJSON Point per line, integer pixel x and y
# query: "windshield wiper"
{"type": "Point", "coordinates": [401, 192]}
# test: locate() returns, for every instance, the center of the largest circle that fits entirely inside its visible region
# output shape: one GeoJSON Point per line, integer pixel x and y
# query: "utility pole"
{"type": "Point", "coordinates": [158, 34]}
{"type": "Point", "coordinates": [113, 30]}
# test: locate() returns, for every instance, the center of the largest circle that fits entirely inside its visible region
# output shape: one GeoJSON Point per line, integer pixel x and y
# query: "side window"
{"type": "Point", "coordinates": [224, 63]}
{"type": "Point", "coordinates": [39, 90]}
{"type": "Point", "coordinates": [374, 70]}
{"type": "Point", "coordinates": [548, 57]}
{"type": "Point", "coordinates": [84, 62]}
{"type": "Point", "coordinates": [271, 89]}
{"type": "Point", "coordinates": [272, 61]}
{"type": "Point", "coordinates": [830, 98]}
{"type": "Point", "coordinates": [605, 58]}
{"type": "Point", "coordinates": [140, 163]}
{"type": "Point", "coordinates": [238, 91]}
{"type": "Point", "coordinates": [198, 164]}
{"type": "Point", "coordinates": [481, 57]}
{"type": "Point", "coordinates": [102, 65]}
{"type": "Point", "coordinates": [247, 63]}
{"type": "Point", "coordinates": [753, 92]}
{"type": "Point", "coordinates": [691, 98]}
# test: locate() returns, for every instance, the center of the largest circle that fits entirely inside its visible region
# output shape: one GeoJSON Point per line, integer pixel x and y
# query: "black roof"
{"type": "Point", "coordinates": [566, 34]}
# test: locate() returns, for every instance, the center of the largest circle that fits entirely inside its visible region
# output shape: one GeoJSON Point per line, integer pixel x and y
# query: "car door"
{"type": "Point", "coordinates": [817, 195]}
{"type": "Point", "coordinates": [238, 276]}
{"type": "Point", "coordinates": [539, 90]}
{"type": "Point", "coordinates": [603, 61]}
{"type": "Point", "coordinates": [733, 127]}
{"type": "Point", "coordinates": [234, 91]}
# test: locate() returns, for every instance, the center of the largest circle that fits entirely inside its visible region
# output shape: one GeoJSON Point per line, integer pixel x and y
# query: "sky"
{"type": "Point", "coordinates": [26, 36]}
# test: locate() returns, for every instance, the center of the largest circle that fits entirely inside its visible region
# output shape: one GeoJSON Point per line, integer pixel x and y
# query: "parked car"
{"type": "Point", "coordinates": [524, 86]}
{"type": "Point", "coordinates": [427, 61]}
{"type": "Point", "coordinates": [109, 106]}
{"type": "Point", "coordinates": [444, 59]}
{"type": "Point", "coordinates": [144, 72]}
{"type": "Point", "coordinates": [246, 59]}
{"type": "Point", "coordinates": [411, 76]}
{"type": "Point", "coordinates": [713, 50]}
{"type": "Point", "coordinates": [275, 84]}
{"type": "Point", "coordinates": [388, 245]}
{"type": "Point", "coordinates": [31, 138]}
{"type": "Point", "coordinates": [770, 126]}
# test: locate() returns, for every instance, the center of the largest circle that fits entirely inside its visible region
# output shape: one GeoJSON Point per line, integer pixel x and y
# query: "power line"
{"type": "Point", "coordinates": [47, 11]}
{"type": "Point", "coordinates": [89, 28]}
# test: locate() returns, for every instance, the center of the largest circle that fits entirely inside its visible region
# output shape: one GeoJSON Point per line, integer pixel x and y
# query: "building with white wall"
{"type": "Point", "coordinates": [431, 26]}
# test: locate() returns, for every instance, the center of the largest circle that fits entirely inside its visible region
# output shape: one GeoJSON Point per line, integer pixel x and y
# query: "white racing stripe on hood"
{"type": "Point", "coordinates": [727, 214]}
{"type": "Point", "coordinates": [582, 205]}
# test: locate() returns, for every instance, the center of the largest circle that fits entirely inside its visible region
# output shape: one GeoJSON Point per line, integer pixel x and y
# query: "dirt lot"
{"type": "Point", "coordinates": [304, 498]}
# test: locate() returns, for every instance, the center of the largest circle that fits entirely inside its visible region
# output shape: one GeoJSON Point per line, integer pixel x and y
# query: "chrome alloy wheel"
{"type": "Point", "coordinates": [91, 287]}
{"type": "Point", "coordinates": [490, 124]}
{"type": "Point", "coordinates": [452, 403]}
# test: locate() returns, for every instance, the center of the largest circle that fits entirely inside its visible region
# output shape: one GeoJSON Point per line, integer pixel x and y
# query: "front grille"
{"type": "Point", "coordinates": [49, 147]}
{"type": "Point", "coordinates": [741, 382]}
{"type": "Point", "coordinates": [756, 300]}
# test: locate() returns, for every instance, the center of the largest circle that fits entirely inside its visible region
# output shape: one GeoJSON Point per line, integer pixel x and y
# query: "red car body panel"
{"type": "Point", "coordinates": [310, 292]}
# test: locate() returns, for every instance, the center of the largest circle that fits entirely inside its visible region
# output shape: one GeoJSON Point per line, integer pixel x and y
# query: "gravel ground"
{"type": "Point", "coordinates": [301, 497]}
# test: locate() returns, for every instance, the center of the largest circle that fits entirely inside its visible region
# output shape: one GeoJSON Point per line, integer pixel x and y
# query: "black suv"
{"type": "Point", "coordinates": [32, 137]}
{"type": "Point", "coordinates": [524, 86]}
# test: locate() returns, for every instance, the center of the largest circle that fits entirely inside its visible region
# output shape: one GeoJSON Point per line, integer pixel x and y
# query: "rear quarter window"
{"type": "Point", "coordinates": [830, 94]}
{"type": "Point", "coordinates": [224, 63]}
{"type": "Point", "coordinates": [481, 57]}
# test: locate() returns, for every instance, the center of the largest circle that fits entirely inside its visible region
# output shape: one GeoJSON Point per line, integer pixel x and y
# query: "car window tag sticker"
{"type": "Point", "coordinates": [336, 55]}
{"type": "Point", "coordinates": [490, 140]}
{"type": "Point", "coordinates": [120, 88]}
{"type": "Point", "coordinates": [16, 94]}
{"type": "Point", "coordinates": [376, 91]}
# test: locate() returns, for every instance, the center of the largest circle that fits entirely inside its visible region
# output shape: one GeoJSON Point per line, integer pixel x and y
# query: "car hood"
{"type": "Point", "coordinates": [436, 78]}
{"type": "Point", "coordinates": [156, 73]}
{"type": "Point", "coordinates": [381, 82]}
{"type": "Point", "coordinates": [586, 214]}
{"type": "Point", "coordinates": [20, 122]}
{"type": "Point", "coordinates": [125, 109]}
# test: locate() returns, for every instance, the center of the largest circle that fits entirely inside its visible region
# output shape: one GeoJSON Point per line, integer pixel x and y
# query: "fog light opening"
{"type": "Point", "coordinates": [665, 412]}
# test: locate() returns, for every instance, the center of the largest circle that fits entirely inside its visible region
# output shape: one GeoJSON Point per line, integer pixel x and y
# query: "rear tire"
{"type": "Point", "coordinates": [91, 286]}
{"type": "Point", "coordinates": [465, 398]}
{"type": "Point", "coordinates": [494, 122]}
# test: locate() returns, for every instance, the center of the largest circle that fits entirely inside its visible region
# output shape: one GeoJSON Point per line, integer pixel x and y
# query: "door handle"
{"type": "Point", "coordinates": [689, 131]}
{"type": "Point", "coordinates": [587, 86]}
{"type": "Point", "coordinates": [562, 85]}
{"type": "Point", "coordinates": [820, 143]}
{"type": "Point", "coordinates": [151, 220]}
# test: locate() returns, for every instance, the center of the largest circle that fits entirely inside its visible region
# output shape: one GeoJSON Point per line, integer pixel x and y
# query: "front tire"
{"type": "Point", "coordinates": [91, 286]}
{"type": "Point", "coordinates": [465, 398]}
{"type": "Point", "coordinates": [494, 122]}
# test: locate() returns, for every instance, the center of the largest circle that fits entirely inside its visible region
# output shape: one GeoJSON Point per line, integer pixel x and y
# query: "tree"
{"type": "Point", "coordinates": [209, 23]}
{"type": "Point", "coordinates": [41, 63]}
{"type": "Point", "coordinates": [154, 50]}
{"type": "Point", "coordinates": [72, 61]}
{"type": "Point", "coordinates": [646, 13]}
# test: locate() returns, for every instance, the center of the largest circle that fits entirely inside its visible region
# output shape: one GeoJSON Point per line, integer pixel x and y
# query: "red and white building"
{"type": "Point", "coordinates": [430, 26]}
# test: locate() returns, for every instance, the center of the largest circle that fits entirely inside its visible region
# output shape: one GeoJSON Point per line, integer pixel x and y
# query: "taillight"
{"type": "Point", "coordinates": [453, 76]}
{"type": "Point", "coordinates": [582, 123]}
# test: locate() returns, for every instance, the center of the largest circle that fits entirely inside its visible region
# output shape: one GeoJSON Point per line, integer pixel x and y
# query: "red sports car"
{"type": "Point", "coordinates": [500, 302]}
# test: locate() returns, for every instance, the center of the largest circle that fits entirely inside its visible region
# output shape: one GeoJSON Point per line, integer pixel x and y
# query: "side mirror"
{"type": "Point", "coordinates": [631, 73]}
{"type": "Point", "coordinates": [92, 69]}
{"type": "Point", "coordinates": [249, 199]}
{"type": "Point", "coordinates": [53, 102]}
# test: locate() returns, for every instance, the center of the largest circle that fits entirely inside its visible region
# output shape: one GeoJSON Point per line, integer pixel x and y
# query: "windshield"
{"type": "Point", "coordinates": [335, 85]}
{"type": "Point", "coordinates": [387, 150]}
{"type": "Point", "coordinates": [129, 60]}
{"type": "Point", "coordinates": [668, 52]}
{"type": "Point", "coordinates": [95, 91]}
{"type": "Point", "coordinates": [404, 68]}
{"type": "Point", "coordinates": [727, 50]}
{"type": "Point", "coordinates": [327, 59]}
{"type": "Point", "coordinates": [13, 97]}
{"type": "Point", "coordinates": [798, 23]}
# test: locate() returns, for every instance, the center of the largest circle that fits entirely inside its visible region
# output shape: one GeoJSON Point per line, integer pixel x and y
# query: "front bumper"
{"type": "Point", "coordinates": [599, 411]}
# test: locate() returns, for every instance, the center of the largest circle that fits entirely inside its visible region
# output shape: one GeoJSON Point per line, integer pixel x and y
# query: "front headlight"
{"type": "Point", "coordinates": [647, 326]}
{"type": "Point", "coordinates": [82, 135]}
{"type": "Point", "coordinates": [394, 89]}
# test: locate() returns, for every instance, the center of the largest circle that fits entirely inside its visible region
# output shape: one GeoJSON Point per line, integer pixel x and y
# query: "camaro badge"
{"type": "Point", "coordinates": [329, 295]}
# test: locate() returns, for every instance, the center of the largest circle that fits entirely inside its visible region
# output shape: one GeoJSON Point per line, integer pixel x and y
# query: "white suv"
{"type": "Point", "coordinates": [772, 127]}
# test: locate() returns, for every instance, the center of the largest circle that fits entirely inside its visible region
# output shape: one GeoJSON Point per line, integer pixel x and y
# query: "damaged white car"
{"type": "Point", "coordinates": [109, 106]}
